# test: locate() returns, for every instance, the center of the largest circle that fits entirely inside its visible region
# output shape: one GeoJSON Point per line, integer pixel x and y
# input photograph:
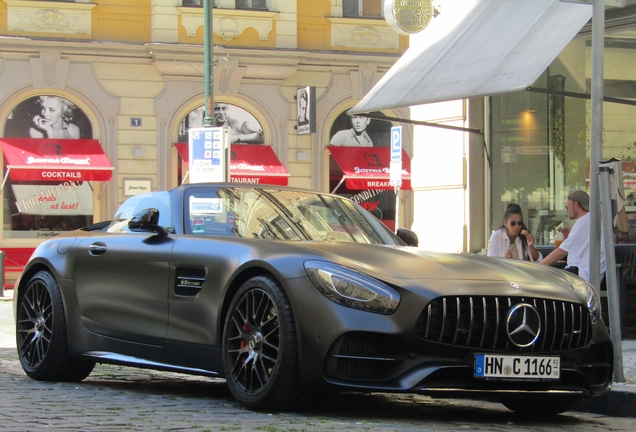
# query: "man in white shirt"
{"type": "Point", "coordinates": [577, 245]}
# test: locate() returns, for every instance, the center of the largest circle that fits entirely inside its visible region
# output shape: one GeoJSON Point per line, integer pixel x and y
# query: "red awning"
{"type": "Point", "coordinates": [368, 167]}
{"type": "Point", "coordinates": [249, 164]}
{"type": "Point", "coordinates": [55, 160]}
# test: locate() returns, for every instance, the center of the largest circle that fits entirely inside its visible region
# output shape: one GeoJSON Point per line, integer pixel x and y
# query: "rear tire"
{"type": "Point", "coordinates": [41, 335]}
{"type": "Point", "coordinates": [260, 354]}
{"type": "Point", "coordinates": [537, 407]}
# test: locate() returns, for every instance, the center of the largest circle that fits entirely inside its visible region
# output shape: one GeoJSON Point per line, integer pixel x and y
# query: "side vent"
{"type": "Point", "coordinates": [189, 282]}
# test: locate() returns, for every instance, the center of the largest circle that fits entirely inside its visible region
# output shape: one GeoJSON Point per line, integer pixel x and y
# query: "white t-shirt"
{"type": "Point", "coordinates": [577, 245]}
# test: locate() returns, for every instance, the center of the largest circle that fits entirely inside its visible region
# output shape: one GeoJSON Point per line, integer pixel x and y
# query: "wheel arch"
{"type": "Point", "coordinates": [241, 277]}
{"type": "Point", "coordinates": [26, 276]}
{"type": "Point", "coordinates": [69, 300]}
{"type": "Point", "coordinates": [236, 283]}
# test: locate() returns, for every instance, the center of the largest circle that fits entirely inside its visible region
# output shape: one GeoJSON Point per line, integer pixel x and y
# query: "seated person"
{"type": "Point", "coordinates": [577, 244]}
{"type": "Point", "coordinates": [513, 240]}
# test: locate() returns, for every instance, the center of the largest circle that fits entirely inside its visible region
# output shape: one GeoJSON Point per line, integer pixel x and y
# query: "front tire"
{"type": "Point", "coordinates": [537, 407]}
{"type": "Point", "coordinates": [41, 333]}
{"type": "Point", "coordinates": [260, 354]}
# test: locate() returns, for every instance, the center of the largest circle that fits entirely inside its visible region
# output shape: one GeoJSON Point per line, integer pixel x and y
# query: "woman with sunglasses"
{"type": "Point", "coordinates": [513, 240]}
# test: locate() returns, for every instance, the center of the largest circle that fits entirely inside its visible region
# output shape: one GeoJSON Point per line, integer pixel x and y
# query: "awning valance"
{"type": "Point", "coordinates": [478, 48]}
{"type": "Point", "coordinates": [249, 164]}
{"type": "Point", "coordinates": [365, 168]}
{"type": "Point", "coordinates": [55, 160]}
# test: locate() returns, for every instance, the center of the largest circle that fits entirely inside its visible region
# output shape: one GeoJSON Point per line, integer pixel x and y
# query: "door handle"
{"type": "Point", "coordinates": [97, 248]}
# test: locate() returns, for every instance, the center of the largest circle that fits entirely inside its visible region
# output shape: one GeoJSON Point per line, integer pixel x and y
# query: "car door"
{"type": "Point", "coordinates": [122, 282]}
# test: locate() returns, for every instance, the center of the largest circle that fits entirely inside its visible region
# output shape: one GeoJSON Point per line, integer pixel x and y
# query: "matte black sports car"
{"type": "Point", "coordinates": [283, 291]}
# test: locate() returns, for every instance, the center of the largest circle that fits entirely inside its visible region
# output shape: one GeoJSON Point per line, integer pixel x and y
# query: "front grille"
{"type": "Point", "coordinates": [480, 322]}
{"type": "Point", "coordinates": [363, 357]}
{"type": "Point", "coordinates": [358, 368]}
{"type": "Point", "coordinates": [596, 364]}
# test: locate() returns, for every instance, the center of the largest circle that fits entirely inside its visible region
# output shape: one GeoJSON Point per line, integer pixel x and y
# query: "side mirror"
{"type": "Point", "coordinates": [407, 236]}
{"type": "Point", "coordinates": [146, 220]}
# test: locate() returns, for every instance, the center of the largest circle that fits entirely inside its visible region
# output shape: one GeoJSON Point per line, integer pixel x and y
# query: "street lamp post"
{"type": "Point", "coordinates": [208, 49]}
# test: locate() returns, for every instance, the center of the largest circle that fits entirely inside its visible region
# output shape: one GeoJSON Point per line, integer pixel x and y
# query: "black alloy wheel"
{"type": "Point", "coordinates": [260, 349]}
{"type": "Point", "coordinates": [41, 333]}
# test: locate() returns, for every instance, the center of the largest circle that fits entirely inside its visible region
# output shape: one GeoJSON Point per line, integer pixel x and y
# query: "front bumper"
{"type": "Point", "coordinates": [343, 348]}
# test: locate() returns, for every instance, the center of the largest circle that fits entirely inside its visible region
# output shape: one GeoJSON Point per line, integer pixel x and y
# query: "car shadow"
{"type": "Point", "coordinates": [372, 407]}
{"type": "Point", "coordinates": [345, 406]}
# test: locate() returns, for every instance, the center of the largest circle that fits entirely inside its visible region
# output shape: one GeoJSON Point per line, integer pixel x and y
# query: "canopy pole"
{"type": "Point", "coordinates": [6, 176]}
{"type": "Point", "coordinates": [397, 208]}
{"type": "Point", "coordinates": [339, 184]}
{"type": "Point", "coordinates": [101, 194]}
{"type": "Point", "coordinates": [580, 95]}
{"type": "Point", "coordinates": [421, 123]}
{"type": "Point", "coordinates": [611, 278]}
{"type": "Point", "coordinates": [596, 139]}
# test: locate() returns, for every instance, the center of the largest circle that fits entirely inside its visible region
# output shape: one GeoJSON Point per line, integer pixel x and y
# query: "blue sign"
{"type": "Point", "coordinates": [396, 143]}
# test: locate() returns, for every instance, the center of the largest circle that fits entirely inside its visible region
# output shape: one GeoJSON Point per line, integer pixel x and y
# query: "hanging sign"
{"type": "Point", "coordinates": [408, 16]}
{"type": "Point", "coordinates": [306, 103]}
{"type": "Point", "coordinates": [395, 173]}
{"type": "Point", "coordinates": [208, 155]}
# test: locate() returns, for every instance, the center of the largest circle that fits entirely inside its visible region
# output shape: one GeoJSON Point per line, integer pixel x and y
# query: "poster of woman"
{"type": "Point", "coordinates": [48, 116]}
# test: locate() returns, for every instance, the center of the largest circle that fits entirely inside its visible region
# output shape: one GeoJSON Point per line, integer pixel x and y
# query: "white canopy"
{"type": "Point", "coordinates": [478, 48]}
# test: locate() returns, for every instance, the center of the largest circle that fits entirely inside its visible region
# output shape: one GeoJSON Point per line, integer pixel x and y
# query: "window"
{"type": "Point", "coordinates": [199, 3]}
{"type": "Point", "coordinates": [362, 8]}
{"type": "Point", "coordinates": [229, 4]}
{"type": "Point", "coordinates": [251, 4]}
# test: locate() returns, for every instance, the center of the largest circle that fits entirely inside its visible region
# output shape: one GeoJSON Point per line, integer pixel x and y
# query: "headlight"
{"type": "Point", "coordinates": [593, 304]}
{"type": "Point", "coordinates": [352, 289]}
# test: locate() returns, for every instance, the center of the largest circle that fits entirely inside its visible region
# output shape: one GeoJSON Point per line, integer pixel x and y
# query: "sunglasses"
{"type": "Point", "coordinates": [515, 223]}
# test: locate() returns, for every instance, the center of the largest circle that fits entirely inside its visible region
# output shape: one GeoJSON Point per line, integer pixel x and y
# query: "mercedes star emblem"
{"type": "Point", "coordinates": [523, 325]}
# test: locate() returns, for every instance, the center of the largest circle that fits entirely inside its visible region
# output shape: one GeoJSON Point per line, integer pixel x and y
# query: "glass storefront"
{"type": "Point", "coordinates": [541, 143]}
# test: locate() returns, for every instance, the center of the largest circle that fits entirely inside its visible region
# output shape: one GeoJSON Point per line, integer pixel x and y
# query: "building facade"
{"type": "Point", "coordinates": [128, 74]}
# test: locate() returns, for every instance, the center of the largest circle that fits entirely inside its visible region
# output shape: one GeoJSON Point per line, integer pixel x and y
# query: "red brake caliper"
{"type": "Point", "coordinates": [243, 343]}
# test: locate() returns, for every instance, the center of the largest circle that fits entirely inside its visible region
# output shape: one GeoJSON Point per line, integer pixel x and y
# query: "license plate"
{"type": "Point", "coordinates": [517, 367]}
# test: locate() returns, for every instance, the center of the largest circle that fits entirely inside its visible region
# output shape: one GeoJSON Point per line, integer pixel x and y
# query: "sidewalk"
{"type": "Point", "coordinates": [619, 402]}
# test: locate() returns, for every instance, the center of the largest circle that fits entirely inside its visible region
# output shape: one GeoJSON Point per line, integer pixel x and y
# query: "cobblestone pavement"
{"type": "Point", "coordinates": [118, 398]}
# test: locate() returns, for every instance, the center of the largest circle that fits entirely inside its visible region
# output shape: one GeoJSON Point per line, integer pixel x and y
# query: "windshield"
{"type": "Point", "coordinates": [278, 215]}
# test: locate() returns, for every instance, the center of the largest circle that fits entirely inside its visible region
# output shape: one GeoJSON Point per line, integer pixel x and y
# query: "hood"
{"type": "Point", "coordinates": [401, 262]}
